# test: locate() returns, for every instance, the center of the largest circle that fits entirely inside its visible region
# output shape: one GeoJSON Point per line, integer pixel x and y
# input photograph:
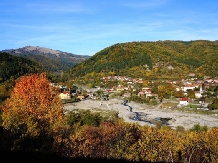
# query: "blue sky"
{"type": "Point", "coordinates": [85, 27]}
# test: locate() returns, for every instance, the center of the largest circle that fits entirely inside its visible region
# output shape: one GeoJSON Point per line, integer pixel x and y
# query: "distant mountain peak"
{"type": "Point", "coordinates": [52, 60]}
{"type": "Point", "coordinates": [41, 49]}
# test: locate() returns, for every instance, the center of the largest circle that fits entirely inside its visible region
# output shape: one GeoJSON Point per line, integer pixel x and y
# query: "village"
{"type": "Point", "coordinates": [195, 104]}
{"type": "Point", "coordinates": [183, 93]}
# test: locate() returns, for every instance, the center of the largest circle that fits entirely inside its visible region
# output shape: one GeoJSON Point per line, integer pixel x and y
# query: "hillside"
{"type": "Point", "coordinates": [11, 68]}
{"type": "Point", "coordinates": [51, 60]}
{"type": "Point", "coordinates": [14, 67]}
{"type": "Point", "coordinates": [152, 60]}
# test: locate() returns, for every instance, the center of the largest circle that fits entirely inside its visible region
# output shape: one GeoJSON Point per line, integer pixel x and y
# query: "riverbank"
{"type": "Point", "coordinates": [146, 115]}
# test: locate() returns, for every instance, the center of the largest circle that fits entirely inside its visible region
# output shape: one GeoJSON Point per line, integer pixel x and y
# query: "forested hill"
{"type": "Point", "coordinates": [161, 59]}
{"type": "Point", "coordinates": [51, 60]}
{"type": "Point", "coordinates": [12, 67]}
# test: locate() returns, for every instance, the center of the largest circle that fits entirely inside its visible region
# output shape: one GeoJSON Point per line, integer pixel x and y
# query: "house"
{"type": "Point", "coordinates": [109, 90]}
{"type": "Point", "coordinates": [145, 88]}
{"type": "Point", "coordinates": [191, 74]}
{"type": "Point", "coordinates": [183, 101]}
{"type": "Point", "coordinates": [177, 88]}
{"type": "Point", "coordinates": [148, 93]}
{"type": "Point", "coordinates": [141, 94]}
{"type": "Point", "coordinates": [154, 95]}
{"type": "Point", "coordinates": [120, 88]}
{"type": "Point", "coordinates": [198, 94]}
{"type": "Point", "coordinates": [190, 86]}
{"type": "Point", "coordinates": [65, 95]}
{"type": "Point", "coordinates": [207, 85]}
{"type": "Point", "coordinates": [170, 67]}
{"type": "Point", "coordinates": [80, 97]}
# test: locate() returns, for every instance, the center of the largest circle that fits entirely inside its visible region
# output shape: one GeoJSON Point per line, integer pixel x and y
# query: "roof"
{"type": "Point", "coordinates": [183, 99]}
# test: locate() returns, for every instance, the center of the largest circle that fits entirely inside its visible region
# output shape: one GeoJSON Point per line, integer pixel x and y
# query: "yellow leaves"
{"type": "Point", "coordinates": [3, 90]}
{"type": "Point", "coordinates": [147, 73]}
{"type": "Point", "coordinates": [32, 127]}
{"type": "Point", "coordinates": [145, 83]}
{"type": "Point", "coordinates": [143, 143]}
{"type": "Point", "coordinates": [211, 145]}
{"type": "Point", "coordinates": [156, 69]}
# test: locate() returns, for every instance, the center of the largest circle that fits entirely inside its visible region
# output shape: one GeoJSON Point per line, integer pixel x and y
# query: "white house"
{"type": "Point", "coordinates": [183, 101]}
{"type": "Point", "coordinates": [65, 95]}
{"type": "Point", "coordinates": [189, 86]}
{"type": "Point", "coordinates": [198, 94]}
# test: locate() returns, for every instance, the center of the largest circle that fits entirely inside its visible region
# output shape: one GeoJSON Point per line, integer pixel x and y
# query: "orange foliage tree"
{"type": "Point", "coordinates": [95, 142]}
{"type": "Point", "coordinates": [132, 142]}
{"type": "Point", "coordinates": [33, 107]}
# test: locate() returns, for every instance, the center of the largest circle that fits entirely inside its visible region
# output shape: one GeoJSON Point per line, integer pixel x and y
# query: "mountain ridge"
{"type": "Point", "coordinates": [62, 61]}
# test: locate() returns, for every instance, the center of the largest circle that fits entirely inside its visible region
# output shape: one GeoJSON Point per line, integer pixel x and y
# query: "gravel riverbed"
{"type": "Point", "coordinates": [146, 115]}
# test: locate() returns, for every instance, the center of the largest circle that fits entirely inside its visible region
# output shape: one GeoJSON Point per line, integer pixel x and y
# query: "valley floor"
{"type": "Point", "coordinates": [147, 115]}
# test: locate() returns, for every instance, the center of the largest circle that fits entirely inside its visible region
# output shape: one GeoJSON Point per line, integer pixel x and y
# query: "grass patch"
{"type": "Point", "coordinates": [107, 114]}
{"type": "Point", "coordinates": [169, 105]}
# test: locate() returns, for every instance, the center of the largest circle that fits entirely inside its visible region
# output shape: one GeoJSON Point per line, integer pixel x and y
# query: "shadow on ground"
{"type": "Point", "coordinates": [36, 157]}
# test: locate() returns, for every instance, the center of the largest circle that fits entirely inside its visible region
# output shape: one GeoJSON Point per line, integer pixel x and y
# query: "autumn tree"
{"type": "Point", "coordinates": [145, 83]}
{"type": "Point", "coordinates": [211, 145]}
{"type": "Point", "coordinates": [179, 94]}
{"type": "Point", "coordinates": [84, 117]}
{"type": "Point", "coordinates": [165, 91]}
{"type": "Point", "coordinates": [33, 107]}
{"type": "Point", "coordinates": [191, 93]}
{"type": "Point", "coordinates": [214, 104]}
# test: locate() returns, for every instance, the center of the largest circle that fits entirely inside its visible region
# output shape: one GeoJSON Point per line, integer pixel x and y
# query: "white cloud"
{"type": "Point", "coordinates": [56, 7]}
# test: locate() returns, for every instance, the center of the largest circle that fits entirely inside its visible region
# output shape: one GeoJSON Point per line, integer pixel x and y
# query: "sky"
{"type": "Point", "coordinates": [85, 27]}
